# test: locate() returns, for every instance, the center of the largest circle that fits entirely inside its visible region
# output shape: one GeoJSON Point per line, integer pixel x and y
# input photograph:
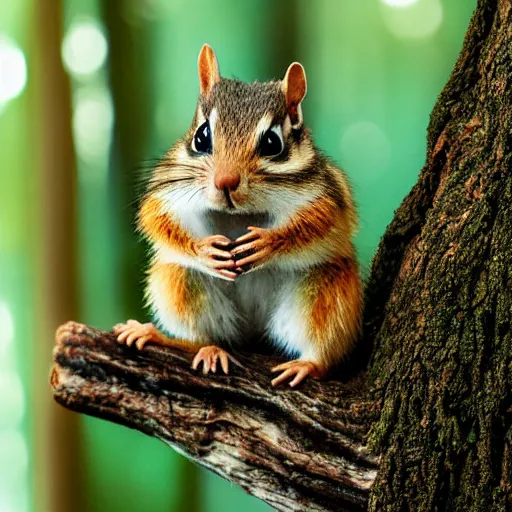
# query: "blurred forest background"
{"type": "Point", "coordinates": [89, 91]}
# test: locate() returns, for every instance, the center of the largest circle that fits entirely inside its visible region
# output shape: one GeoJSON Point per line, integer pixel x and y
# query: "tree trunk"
{"type": "Point", "coordinates": [438, 326]}
{"type": "Point", "coordinates": [439, 298]}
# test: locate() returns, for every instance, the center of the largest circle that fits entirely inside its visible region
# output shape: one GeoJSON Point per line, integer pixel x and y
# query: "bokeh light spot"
{"type": "Point", "coordinates": [12, 400]}
{"type": "Point", "coordinates": [6, 326]}
{"type": "Point", "coordinates": [13, 453]}
{"type": "Point", "coordinates": [399, 3]}
{"type": "Point", "coordinates": [14, 460]}
{"type": "Point", "coordinates": [84, 48]}
{"type": "Point", "coordinates": [365, 149]}
{"type": "Point", "coordinates": [93, 118]}
{"type": "Point", "coordinates": [415, 21]}
{"type": "Point", "coordinates": [13, 71]}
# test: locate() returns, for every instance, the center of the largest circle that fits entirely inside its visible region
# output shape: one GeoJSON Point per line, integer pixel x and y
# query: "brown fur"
{"type": "Point", "coordinates": [321, 222]}
{"type": "Point", "coordinates": [318, 235]}
{"type": "Point", "coordinates": [185, 298]}
{"type": "Point", "coordinates": [158, 226]}
{"type": "Point", "coordinates": [308, 225]}
{"type": "Point", "coordinates": [334, 306]}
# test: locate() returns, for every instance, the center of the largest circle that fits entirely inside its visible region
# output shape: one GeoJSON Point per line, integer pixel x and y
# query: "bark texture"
{"type": "Point", "coordinates": [297, 450]}
{"type": "Point", "coordinates": [439, 300]}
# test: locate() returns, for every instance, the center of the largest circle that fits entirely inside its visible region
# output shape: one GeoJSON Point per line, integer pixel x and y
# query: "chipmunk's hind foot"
{"type": "Point", "coordinates": [299, 370]}
{"type": "Point", "coordinates": [135, 333]}
{"type": "Point", "coordinates": [209, 356]}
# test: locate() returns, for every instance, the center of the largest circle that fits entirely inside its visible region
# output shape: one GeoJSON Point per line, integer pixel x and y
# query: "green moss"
{"type": "Point", "coordinates": [441, 299]}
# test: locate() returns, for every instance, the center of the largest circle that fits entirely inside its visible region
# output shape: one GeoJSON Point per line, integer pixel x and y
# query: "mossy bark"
{"type": "Point", "coordinates": [439, 298]}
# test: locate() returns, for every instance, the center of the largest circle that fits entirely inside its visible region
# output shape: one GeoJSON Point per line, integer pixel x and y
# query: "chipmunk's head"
{"type": "Point", "coordinates": [247, 149]}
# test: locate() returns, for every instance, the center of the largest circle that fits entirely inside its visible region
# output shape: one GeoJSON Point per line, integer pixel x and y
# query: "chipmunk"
{"type": "Point", "coordinates": [251, 231]}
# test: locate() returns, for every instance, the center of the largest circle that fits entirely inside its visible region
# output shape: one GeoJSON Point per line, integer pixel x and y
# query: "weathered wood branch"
{"type": "Point", "coordinates": [297, 450]}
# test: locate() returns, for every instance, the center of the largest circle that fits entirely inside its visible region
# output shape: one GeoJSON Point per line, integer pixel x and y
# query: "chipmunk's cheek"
{"type": "Point", "coordinates": [239, 197]}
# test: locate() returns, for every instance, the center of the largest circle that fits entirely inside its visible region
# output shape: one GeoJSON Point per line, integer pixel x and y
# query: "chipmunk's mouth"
{"type": "Point", "coordinates": [229, 201]}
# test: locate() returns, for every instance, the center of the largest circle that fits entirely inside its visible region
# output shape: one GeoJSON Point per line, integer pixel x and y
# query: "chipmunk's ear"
{"type": "Point", "coordinates": [208, 69]}
{"type": "Point", "coordinates": [294, 86]}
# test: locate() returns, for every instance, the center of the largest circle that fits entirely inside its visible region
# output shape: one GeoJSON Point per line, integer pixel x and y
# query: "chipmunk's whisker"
{"type": "Point", "coordinates": [162, 184]}
{"type": "Point", "coordinates": [195, 193]}
{"type": "Point", "coordinates": [182, 193]}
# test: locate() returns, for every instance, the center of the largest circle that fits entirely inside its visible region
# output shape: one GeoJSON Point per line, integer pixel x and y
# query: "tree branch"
{"type": "Point", "coordinates": [297, 450]}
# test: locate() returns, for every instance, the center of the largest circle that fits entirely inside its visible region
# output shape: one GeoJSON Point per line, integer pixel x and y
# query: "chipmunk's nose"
{"type": "Point", "coordinates": [227, 181]}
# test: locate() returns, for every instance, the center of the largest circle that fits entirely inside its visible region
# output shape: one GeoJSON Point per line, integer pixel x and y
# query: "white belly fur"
{"type": "Point", "coordinates": [255, 293]}
{"type": "Point", "coordinates": [259, 303]}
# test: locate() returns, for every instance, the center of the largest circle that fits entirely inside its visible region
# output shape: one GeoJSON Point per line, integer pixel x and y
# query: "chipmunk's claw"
{"type": "Point", "coordinates": [254, 248]}
{"type": "Point", "coordinates": [299, 370]}
{"type": "Point", "coordinates": [209, 356]}
{"type": "Point", "coordinates": [213, 252]}
{"type": "Point", "coordinates": [133, 332]}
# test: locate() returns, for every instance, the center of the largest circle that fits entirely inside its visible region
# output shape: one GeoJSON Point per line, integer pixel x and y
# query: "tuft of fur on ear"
{"type": "Point", "coordinates": [208, 69]}
{"type": "Point", "coordinates": [294, 87]}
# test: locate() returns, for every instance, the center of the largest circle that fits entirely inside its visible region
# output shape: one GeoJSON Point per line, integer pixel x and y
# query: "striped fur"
{"type": "Point", "coordinates": [305, 293]}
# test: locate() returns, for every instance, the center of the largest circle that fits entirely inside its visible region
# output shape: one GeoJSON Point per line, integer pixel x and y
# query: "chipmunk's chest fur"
{"type": "Point", "coordinates": [231, 226]}
{"type": "Point", "coordinates": [252, 297]}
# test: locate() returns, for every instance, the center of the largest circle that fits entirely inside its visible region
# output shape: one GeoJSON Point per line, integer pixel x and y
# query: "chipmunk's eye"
{"type": "Point", "coordinates": [202, 142]}
{"type": "Point", "coordinates": [271, 143]}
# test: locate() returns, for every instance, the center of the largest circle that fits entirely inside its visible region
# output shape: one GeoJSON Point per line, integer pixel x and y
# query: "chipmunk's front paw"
{"type": "Point", "coordinates": [254, 248]}
{"type": "Point", "coordinates": [299, 370]}
{"type": "Point", "coordinates": [214, 254]}
{"type": "Point", "coordinates": [134, 332]}
{"type": "Point", "coordinates": [209, 356]}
